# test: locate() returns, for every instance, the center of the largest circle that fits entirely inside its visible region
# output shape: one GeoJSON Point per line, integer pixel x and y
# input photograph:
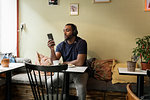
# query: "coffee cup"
{"type": "Point", "coordinates": [5, 62]}
{"type": "Point", "coordinates": [55, 62]}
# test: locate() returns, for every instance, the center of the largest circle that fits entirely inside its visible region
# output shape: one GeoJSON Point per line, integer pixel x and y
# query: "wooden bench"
{"type": "Point", "coordinates": [21, 88]}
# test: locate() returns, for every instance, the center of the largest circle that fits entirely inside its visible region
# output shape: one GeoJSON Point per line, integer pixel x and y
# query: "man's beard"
{"type": "Point", "coordinates": [69, 37]}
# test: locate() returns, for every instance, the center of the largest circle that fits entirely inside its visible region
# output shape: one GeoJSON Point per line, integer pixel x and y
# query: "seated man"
{"type": "Point", "coordinates": [73, 50]}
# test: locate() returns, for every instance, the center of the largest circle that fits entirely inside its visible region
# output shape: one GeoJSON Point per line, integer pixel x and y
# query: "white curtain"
{"type": "Point", "coordinates": [8, 26]}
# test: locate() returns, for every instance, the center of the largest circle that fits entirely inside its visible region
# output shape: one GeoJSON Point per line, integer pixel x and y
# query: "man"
{"type": "Point", "coordinates": [73, 50]}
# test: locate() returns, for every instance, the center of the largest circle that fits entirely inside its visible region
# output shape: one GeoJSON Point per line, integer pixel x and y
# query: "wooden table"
{"type": "Point", "coordinates": [76, 69]}
{"type": "Point", "coordinates": [140, 78]}
{"type": "Point", "coordinates": [8, 70]}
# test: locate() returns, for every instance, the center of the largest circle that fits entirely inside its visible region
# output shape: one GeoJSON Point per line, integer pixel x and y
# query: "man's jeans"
{"type": "Point", "coordinates": [79, 80]}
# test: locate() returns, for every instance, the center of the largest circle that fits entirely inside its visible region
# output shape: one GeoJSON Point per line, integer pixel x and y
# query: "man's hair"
{"type": "Point", "coordinates": [74, 28]}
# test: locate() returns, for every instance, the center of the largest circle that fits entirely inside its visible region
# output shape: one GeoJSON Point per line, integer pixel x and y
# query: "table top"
{"type": "Point", "coordinates": [12, 66]}
{"type": "Point", "coordinates": [79, 69]}
{"type": "Point", "coordinates": [138, 71]}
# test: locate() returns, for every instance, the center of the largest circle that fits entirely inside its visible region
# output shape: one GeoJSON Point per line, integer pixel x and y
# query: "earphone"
{"type": "Point", "coordinates": [75, 32]}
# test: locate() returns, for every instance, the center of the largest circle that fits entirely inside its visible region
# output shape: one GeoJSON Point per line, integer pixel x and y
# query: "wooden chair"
{"type": "Point", "coordinates": [39, 85]}
{"type": "Point", "coordinates": [130, 94]}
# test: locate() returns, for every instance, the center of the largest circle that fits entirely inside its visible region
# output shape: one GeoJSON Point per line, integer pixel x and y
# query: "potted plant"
{"type": "Point", "coordinates": [142, 51]}
{"type": "Point", "coordinates": [131, 65]}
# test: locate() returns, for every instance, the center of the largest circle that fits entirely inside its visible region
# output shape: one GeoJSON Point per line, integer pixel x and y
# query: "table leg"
{"type": "Point", "coordinates": [67, 85]}
{"type": "Point", "coordinates": [8, 85]}
{"type": "Point", "coordinates": [140, 85]}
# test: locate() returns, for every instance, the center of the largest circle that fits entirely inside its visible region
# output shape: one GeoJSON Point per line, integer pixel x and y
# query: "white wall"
{"type": "Point", "coordinates": [109, 28]}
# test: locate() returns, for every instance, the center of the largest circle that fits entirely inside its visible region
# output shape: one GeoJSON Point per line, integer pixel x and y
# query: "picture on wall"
{"type": "Point", "coordinates": [147, 5]}
{"type": "Point", "coordinates": [53, 2]}
{"type": "Point", "coordinates": [98, 1]}
{"type": "Point", "coordinates": [74, 9]}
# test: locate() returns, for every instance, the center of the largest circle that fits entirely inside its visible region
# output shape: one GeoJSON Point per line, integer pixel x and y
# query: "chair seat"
{"type": "Point", "coordinates": [130, 94]}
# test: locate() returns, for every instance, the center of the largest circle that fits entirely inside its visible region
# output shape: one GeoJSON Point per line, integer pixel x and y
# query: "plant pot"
{"type": "Point", "coordinates": [145, 65]}
{"type": "Point", "coordinates": [131, 66]}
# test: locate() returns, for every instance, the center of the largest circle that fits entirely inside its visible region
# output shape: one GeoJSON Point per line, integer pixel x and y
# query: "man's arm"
{"type": "Point", "coordinates": [54, 56]}
{"type": "Point", "coordinates": [79, 61]}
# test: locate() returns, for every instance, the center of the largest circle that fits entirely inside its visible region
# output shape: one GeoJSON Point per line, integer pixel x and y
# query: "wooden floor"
{"type": "Point", "coordinates": [97, 95]}
{"type": "Point", "coordinates": [90, 96]}
{"type": "Point", "coordinates": [23, 92]}
{"type": "Point", "coordinates": [106, 96]}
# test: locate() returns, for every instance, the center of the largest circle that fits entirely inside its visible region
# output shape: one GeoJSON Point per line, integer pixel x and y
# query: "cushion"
{"type": "Point", "coordinates": [43, 60]}
{"type": "Point", "coordinates": [116, 78]}
{"type": "Point", "coordinates": [23, 78]}
{"type": "Point", "coordinates": [22, 60]}
{"type": "Point", "coordinates": [22, 69]}
{"type": "Point", "coordinates": [102, 69]}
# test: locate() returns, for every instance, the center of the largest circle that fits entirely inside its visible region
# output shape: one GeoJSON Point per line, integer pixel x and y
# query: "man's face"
{"type": "Point", "coordinates": [68, 32]}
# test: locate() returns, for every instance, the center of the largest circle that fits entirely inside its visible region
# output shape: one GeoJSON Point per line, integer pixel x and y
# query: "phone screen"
{"type": "Point", "coordinates": [50, 36]}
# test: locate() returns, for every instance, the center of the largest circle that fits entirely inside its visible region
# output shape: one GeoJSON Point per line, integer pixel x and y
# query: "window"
{"type": "Point", "coordinates": [8, 26]}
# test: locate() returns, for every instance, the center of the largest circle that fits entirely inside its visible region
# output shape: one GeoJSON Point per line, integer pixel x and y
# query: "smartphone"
{"type": "Point", "coordinates": [50, 36]}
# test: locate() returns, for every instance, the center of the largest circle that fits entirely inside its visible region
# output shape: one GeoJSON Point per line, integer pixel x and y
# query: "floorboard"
{"type": "Point", "coordinates": [23, 92]}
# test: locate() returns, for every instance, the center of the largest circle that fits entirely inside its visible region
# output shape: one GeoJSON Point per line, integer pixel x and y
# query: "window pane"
{"type": "Point", "coordinates": [8, 26]}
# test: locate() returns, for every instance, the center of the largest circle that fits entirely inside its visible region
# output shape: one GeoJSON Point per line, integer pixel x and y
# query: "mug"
{"type": "Point", "coordinates": [55, 62]}
{"type": "Point", "coordinates": [5, 62]}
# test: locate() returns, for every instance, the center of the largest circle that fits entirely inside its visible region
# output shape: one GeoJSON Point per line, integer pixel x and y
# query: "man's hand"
{"type": "Point", "coordinates": [79, 61]}
{"type": "Point", "coordinates": [51, 44]}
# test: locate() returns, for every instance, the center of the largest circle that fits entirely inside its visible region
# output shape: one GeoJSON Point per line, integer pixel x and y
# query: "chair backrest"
{"type": "Point", "coordinates": [39, 78]}
{"type": "Point", "coordinates": [130, 94]}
